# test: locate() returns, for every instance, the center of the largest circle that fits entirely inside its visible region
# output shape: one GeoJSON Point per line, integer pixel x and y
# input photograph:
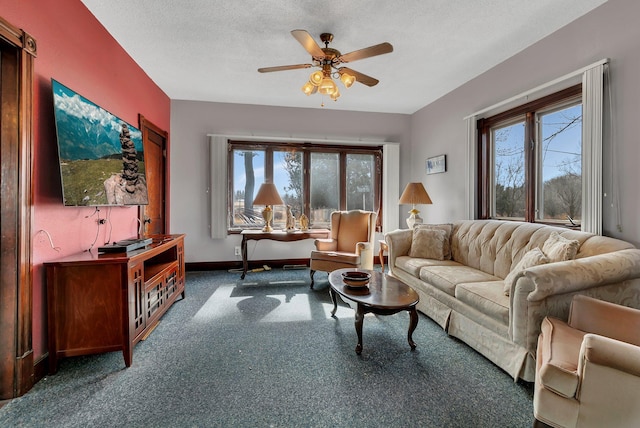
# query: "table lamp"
{"type": "Point", "coordinates": [414, 194]}
{"type": "Point", "coordinates": [267, 196]}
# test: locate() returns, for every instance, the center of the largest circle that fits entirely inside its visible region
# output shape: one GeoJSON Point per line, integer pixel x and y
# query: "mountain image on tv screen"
{"type": "Point", "coordinates": [101, 156]}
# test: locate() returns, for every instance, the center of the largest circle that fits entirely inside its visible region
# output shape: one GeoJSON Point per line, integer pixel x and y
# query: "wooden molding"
{"type": "Point", "coordinates": [18, 50]}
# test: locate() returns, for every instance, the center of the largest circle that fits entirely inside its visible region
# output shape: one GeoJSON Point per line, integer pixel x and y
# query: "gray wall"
{"type": "Point", "coordinates": [610, 31]}
{"type": "Point", "coordinates": [191, 121]}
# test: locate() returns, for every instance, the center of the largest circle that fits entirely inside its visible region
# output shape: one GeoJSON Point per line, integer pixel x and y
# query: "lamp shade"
{"type": "Point", "coordinates": [347, 79]}
{"type": "Point", "coordinates": [268, 195]}
{"type": "Point", "coordinates": [414, 194]}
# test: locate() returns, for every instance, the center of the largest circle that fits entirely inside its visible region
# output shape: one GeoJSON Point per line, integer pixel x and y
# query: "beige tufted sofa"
{"type": "Point", "coordinates": [465, 294]}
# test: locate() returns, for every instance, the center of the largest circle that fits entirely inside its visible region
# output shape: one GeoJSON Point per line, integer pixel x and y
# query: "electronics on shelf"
{"type": "Point", "coordinates": [125, 245]}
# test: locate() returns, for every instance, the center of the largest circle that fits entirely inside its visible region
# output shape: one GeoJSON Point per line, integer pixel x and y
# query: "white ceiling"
{"type": "Point", "coordinates": [210, 50]}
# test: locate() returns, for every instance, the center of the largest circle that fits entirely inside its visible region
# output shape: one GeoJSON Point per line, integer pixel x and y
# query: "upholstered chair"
{"type": "Point", "coordinates": [588, 369]}
{"type": "Point", "coordinates": [350, 244]}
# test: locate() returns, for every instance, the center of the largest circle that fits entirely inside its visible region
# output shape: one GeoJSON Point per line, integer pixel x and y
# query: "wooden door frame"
{"type": "Point", "coordinates": [145, 126]}
{"type": "Point", "coordinates": [16, 309]}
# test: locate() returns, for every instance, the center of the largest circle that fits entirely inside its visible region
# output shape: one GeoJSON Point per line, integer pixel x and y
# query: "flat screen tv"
{"type": "Point", "coordinates": [101, 156]}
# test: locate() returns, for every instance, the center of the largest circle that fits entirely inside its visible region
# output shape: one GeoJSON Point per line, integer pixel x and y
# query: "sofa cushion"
{"type": "Point", "coordinates": [413, 265]}
{"type": "Point", "coordinates": [486, 297]}
{"type": "Point", "coordinates": [428, 243]}
{"type": "Point", "coordinates": [446, 277]}
{"type": "Point", "coordinates": [560, 351]}
{"type": "Point", "coordinates": [559, 248]}
{"type": "Point", "coordinates": [448, 228]}
{"type": "Point", "coordinates": [533, 257]}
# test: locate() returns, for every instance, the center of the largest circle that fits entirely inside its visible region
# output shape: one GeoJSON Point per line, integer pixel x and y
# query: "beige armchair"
{"type": "Point", "coordinates": [350, 244]}
{"type": "Point", "coordinates": [588, 370]}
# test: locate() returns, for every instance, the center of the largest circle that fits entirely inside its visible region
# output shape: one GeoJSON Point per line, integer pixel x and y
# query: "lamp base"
{"type": "Point", "coordinates": [267, 214]}
{"type": "Point", "coordinates": [414, 218]}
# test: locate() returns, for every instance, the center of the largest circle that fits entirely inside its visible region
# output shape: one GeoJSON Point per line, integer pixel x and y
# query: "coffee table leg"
{"type": "Point", "coordinates": [413, 323]}
{"type": "Point", "coordinates": [334, 300]}
{"type": "Point", "coordinates": [359, 321]}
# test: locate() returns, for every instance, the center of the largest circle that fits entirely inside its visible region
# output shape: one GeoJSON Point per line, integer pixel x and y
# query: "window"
{"type": "Point", "coordinates": [311, 179]}
{"type": "Point", "coordinates": [531, 161]}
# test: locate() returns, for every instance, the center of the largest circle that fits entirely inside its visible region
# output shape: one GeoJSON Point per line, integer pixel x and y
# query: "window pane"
{"type": "Point", "coordinates": [561, 160]}
{"type": "Point", "coordinates": [360, 182]}
{"type": "Point", "coordinates": [287, 176]}
{"type": "Point", "coordinates": [248, 175]}
{"type": "Point", "coordinates": [325, 187]}
{"type": "Point", "coordinates": [508, 172]}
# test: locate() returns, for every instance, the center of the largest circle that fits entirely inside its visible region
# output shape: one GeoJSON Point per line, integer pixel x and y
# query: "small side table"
{"type": "Point", "coordinates": [383, 247]}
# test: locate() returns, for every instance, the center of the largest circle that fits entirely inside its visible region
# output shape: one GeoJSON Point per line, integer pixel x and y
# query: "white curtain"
{"type": "Point", "coordinates": [390, 186]}
{"type": "Point", "coordinates": [218, 186]}
{"type": "Point", "coordinates": [471, 167]}
{"type": "Point", "coordinates": [592, 99]}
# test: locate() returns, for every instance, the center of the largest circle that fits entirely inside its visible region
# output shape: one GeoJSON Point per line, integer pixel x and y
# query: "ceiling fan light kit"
{"type": "Point", "coordinates": [328, 60]}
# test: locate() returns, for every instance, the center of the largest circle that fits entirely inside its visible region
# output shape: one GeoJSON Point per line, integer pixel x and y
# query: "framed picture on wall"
{"type": "Point", "coordinates": [437, 164]}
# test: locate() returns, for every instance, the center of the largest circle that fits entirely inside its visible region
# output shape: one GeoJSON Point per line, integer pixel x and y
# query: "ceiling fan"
{"type": "Point", "coordinates": [328, 61]}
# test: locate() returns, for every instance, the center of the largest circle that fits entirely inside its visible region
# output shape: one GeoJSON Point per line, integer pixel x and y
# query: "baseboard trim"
{"type": "Point", "coordinates": [226, 265]}
{"type": "Point", "coordinates": [41, 368]}
{"type": "Point", "coordinates": [236, 264]}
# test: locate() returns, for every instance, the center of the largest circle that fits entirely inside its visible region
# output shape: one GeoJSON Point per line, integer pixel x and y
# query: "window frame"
{"type": "Point", "coordinates": [485, 161]}
{"type": "Point", "coordinates": [306, 149]}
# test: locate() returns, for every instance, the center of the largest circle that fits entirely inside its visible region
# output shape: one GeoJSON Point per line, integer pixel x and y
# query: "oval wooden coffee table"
{"type": "Point", "coordinates": [383, 295]}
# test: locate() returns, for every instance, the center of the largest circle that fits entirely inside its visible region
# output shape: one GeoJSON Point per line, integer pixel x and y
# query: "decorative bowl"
{"type": "Point", "coordinates": [356, 279]}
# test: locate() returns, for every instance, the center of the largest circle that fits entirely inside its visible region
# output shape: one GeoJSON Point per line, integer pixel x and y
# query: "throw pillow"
{"type": "Point", "coordinates": [558, 248]}
{"type": "Point", "coordinates": [532, 258]}
{"type": "Point", "coordinates": [428, 244]}
{"type": "Point", "coordinates": [448, 228]}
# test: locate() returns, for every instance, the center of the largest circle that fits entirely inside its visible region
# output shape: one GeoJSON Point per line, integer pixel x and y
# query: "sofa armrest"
{"type": "Point", "coordinates": [399, 243]}
{"type": "Point", "coordinates": [326, 244]}
{"type": "Point", "coordinates": [548, 289]}
{"type": "Point", "coordinates": [581, 274]}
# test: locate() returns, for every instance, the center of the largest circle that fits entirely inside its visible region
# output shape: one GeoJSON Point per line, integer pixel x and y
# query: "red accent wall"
{"type": "Point", "coordinates": [76, 50]}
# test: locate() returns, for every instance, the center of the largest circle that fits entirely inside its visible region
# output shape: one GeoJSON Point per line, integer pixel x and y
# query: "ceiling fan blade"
{"type": "Point", "coordinates": [308, 43]}
{"type": "Point", "coordinates": [283, 67]}
{"type": "Point", "coordinates": [362, 78]}
{"type": "Point", "coordinates": [382, 48]}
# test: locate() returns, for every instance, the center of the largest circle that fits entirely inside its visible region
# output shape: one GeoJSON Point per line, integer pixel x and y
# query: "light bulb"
{"type": "Point", "coordinates": [347, 79]}
{"type": "Point", "coordinates": [327, 87]}
{"type": "Point", "coordinates": [309, 88]}
{"type": "Point", "coordinates": [316, 78]}
{"type": "Point", "coordinates": [335, 95]}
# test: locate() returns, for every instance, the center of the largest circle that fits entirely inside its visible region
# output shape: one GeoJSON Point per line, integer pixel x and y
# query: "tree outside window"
{"type": "Point", "coordinates": [531, 161]}
{"type": "Point", "coordinates": [312, 179]}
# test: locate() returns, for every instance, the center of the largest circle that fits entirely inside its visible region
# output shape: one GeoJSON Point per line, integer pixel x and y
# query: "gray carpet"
{"type": "Point", "coordinates": [264, 352]}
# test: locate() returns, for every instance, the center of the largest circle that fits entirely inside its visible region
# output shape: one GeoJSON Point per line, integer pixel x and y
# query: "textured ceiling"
{"type": "Point", "coordinates": [210, 50]}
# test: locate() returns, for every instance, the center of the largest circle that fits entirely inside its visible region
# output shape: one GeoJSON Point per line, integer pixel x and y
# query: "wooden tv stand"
{"type": "Point", "coordinates": [108, 302]}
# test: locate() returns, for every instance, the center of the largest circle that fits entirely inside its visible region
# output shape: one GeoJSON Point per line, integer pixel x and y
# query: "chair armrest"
{"type": "Point", "coordinates": [608, 352]}
{"type": "Point", "coordinates": [365, 251]}
{"type": "Point", "coordinates": [399, 243]}
{"type": "Point", "coordinates": [363, 246]}
{"type": "Point", "coordinates": [327, 244]}
{"type": "Point", "coordinates": [605, 319]}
